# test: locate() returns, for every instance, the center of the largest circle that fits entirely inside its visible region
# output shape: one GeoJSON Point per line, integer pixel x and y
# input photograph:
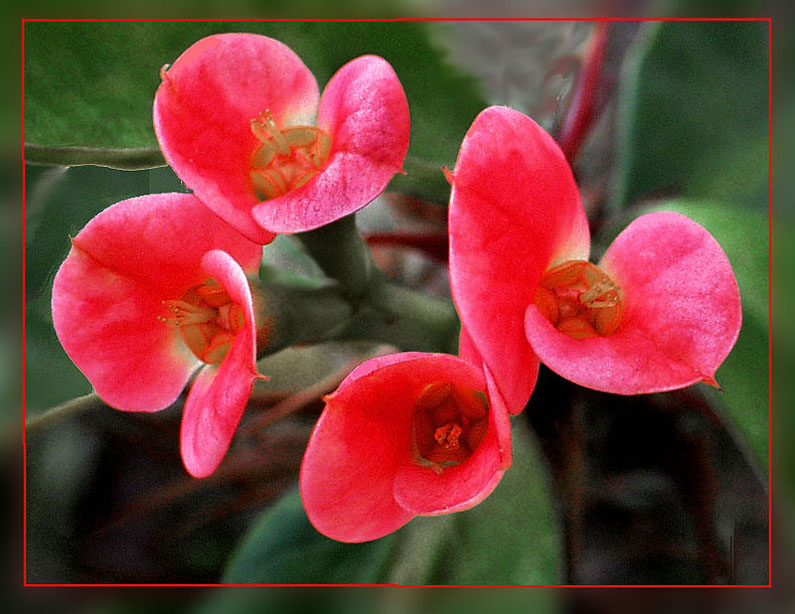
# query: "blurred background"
{"type": "Point", "coordinates": [655, 489]}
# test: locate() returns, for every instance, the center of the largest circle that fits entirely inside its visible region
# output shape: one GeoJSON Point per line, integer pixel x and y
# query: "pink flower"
{"type": "Point", "coordinates": [153, 288]}
{"type": "Point", "coordinates": [660, 312]}
{"type": "Point", "coordinates": [404, 435]}
{"type": "Point", "coordinates": [235, 118]}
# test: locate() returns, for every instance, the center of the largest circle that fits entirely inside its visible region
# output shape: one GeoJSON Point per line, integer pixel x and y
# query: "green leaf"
{"type": "Point", "coordinates": [92, 84]}
{"type": "Point", "coordinates": [743, 235]}
{"type": "Point", "coordinates": [693, 114]}
{"type": "Point", "coordinates": [512, 537]}
{"type": "Point", "coordinates": [284, 548]}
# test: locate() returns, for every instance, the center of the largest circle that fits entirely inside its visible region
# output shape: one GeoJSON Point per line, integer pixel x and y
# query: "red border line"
{"type": "Point", "coordinates": [394, 19]}
{"type": "Point", "coordinates": [770, 302]}
{"type": "Point", "coordinates": [586, 19]}
{"type": "Point", "coordinates": [24, 329]}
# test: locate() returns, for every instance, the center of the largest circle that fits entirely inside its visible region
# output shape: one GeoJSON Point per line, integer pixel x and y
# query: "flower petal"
{"type": "Point", "coordinates": [107, 323]}
{"type": "Point", "coordinates": [514, 211]}
{"type": "Point", "coordinates": [219, 395]}
{"type": "Point", "coordinates": [682, 313]}
{"type": "Point", "coordinates": [468, 351]}
{"type": "Point", "coordinates": [160, 239]}
{"type": "Point", "coordinates": [502, 424]}
{"type": "Point", "coordinates": [213, 409]}
{"type": "Point", "coordinates": [362, 437]}
{"type": "Point", "coordinates": [365, 111]}
{"type": "Point", "coordinates": [203, 112]}
{"type": "Point", "coordinates": [517, 402]}
{"type": "Point", "coordinates": [422, 491]}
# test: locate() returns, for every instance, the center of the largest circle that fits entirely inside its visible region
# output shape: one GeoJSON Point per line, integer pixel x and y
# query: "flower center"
{"type": "Point", "coordinates": [580, 300]}
{"type": "Point", "coordinates": [449, 423]}
{"type": "Point", "coordinates": [286, 159]}
{"type": "Point", "coordinates": [207, 320]}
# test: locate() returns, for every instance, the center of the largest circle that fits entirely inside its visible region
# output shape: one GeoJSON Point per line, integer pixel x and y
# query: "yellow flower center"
{"type": "Point", "coordinates": [580, 300]}
{"type": "Point", "coordinates": [286, 159]}
{"type": "Point", "coordinates": [207, 320]}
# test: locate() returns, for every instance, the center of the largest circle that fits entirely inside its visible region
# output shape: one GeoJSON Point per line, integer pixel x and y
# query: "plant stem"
{"type": "Point", "coordinates": [406, 319]}
{"type": "Point", "coordinates": [55, 415]}
{"type": "Point", "coordinates": [342, 254]}
{"type": "Point", "coordinates": [125, 159]}
{"type": "Point", "coordinates": [434, 245]}
{"type": "Point", "coordinates": [288, 315]}
{"type": "Point", "coordinates": [582, 111]}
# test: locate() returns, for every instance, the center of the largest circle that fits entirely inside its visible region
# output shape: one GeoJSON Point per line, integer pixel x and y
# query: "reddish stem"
{"type": "Point", "coordinates": [434, 245]}
{"type": "Point", "coordinates": [582, 110]}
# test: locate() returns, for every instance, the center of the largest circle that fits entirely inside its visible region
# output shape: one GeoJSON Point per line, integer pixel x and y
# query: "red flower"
{"type": "Point", "coordinates": [235, 117]}
{"type": "Point", "coordinates": [660, 312]}
{"type": "Point", "coordinates": [404, 435]}
{"type": "Point", "coordinates": [153, 288]}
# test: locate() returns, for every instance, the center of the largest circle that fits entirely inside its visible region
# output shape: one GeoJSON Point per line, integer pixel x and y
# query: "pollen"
{"type": "Point", "coordinates": [207, 319]}
{"type": "Point", "coordinates": [285, 159]}
{"type": "Point", "coordinates": [449, 423]}
{"type": "Point", "coordinates": [580, 300]}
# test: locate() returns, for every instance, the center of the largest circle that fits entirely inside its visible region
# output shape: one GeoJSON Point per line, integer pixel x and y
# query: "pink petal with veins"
{"type": "Point", "coordinates": [682, 313]}
{"type": "Point", "coordinates": [514, 212]}
{"type": "Point", "coordinates": [108, 294]}
{"type": "Point", "coordinates": [203, 112]}
{"type": "Point", "coordinates": [364, 110]}
{"type": "Point", "coordinates": [355, 477]}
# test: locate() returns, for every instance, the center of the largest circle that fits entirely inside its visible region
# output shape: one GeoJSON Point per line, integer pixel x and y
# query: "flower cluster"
{"type": "Point", "coordinates": [157, 287]}
{"type": "Point", "coordinates": [660, 312]}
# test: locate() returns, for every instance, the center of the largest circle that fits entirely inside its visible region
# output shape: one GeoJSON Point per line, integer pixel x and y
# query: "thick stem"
{"type": "Point", "coordinates": [288, 315]}
{"type": "Point", "coordinates": [380, 311]}
{"type": "Point", "coordinates": [342, 254]}
{"type": "Point", "coordinates": [406, 319]}
{"type": "Point", "coordinates": [398, 316]}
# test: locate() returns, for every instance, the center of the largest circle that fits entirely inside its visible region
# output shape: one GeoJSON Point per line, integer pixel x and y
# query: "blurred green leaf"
{"type": "Point", "coordinates": [92, 84]}
{"type": "Point", "coordinates": [512, 537]}
{"type": "Point", "coordinates": [743, 235]}
{"type": "Point", "coordinates": [362, 600]}
{"type": "Point", "coordinates": [693, 114]}
{"type": "Point", "coordinates": [284, 548]}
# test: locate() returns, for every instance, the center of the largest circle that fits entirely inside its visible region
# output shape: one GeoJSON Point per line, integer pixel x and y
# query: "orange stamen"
{"type": "Point", "coordinates": [285, 159]}
{"type": "Point", "coordinates": [449, 423]}
{"type": "Point", "coordinates": [580, 300]}
{"type": "Point", "coordinates": [207, 319]}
